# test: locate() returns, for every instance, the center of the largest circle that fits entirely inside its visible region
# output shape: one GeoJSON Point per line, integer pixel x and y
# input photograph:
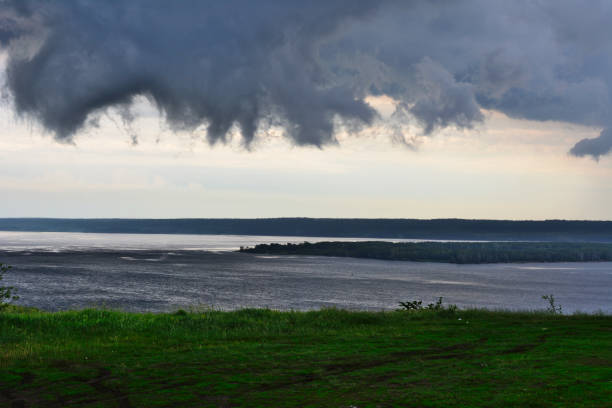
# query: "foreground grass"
{"type": "Point", "coordinates": [327, 358]}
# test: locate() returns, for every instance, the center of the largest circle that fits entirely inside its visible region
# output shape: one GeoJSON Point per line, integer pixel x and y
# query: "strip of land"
{"type": "Point", "coordinates": [327, 358]}
{"type": "Point", "coordinates": [436, 229]}
{"type": "Point", "coordinates": [450, 252]}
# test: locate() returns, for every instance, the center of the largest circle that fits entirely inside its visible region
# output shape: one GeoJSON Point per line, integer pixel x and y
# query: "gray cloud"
{"type": "Point", "coordinates": [443, 101]}
{"type": "Point", "coordinates": [594, 147]}
{"type": "Point", "coordinates": [271, 62]}
{"type": "Point", "coordinates": [213, 63]}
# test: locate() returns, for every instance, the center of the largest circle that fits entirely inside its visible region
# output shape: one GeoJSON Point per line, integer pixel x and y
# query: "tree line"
{"type": "Point", "coordinates": [452, 252]}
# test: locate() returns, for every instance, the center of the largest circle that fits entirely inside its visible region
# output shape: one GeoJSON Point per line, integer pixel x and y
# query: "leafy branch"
{"type": "Point", "coordinates": [6, 292]}
{"type": "Point", "coordinates": [552, 308]}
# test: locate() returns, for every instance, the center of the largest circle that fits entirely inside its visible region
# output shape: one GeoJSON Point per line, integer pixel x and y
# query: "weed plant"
{"type": "Point", "coordinates": [7, 293]}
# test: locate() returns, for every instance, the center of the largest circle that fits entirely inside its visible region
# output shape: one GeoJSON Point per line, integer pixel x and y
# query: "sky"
{"type": "Point", "coordinates": [374, 109]}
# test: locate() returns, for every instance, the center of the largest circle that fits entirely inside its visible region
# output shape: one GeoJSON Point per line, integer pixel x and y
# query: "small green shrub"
{"type": "Point", "coordinates": [437, 307]}
{"type": "Point", "coordinates": [6, 292]}
{"type": "Point", "coordinates": [552, 308]}
{"type": "Point", "coordinates": [414, 305]}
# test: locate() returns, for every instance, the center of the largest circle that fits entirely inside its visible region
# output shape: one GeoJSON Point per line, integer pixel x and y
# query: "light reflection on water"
{"type": "Point", "coordinates": [74, 241]}
{"type": "Point", "coordinates": [154, 273]}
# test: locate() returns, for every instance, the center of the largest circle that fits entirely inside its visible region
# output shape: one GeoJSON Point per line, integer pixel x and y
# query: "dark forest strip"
{"type": "Point", "coordinates": [489, 230]}
{"type": "Point", "coordinates": [451, 252]}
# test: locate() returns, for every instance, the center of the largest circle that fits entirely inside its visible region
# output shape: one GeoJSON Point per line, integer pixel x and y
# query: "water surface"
{"type": "Point", "coordinates": [55, 271]}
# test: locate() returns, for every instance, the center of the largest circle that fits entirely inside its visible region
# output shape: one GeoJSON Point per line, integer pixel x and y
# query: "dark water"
{"type": "Point", "coordinates": [159, 273]}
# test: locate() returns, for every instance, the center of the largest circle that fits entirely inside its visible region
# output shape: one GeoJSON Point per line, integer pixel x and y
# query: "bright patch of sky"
{"type": "Point", "coordinates": [505, 168]}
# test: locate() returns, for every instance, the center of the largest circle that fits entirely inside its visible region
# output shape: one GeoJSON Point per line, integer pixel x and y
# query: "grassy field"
{"type": "Point", "coordinates": [451, 252]}
{"type": "Point", "coordinates": [327, 358]}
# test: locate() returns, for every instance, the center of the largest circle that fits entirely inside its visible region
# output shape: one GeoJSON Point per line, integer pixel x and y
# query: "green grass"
{"type": "Point", "coordinates": [452, 252]}
{"type": "Point", "coordinates": [327, 358]}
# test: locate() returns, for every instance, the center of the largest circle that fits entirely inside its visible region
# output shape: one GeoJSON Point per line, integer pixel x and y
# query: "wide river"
{"type": "Point", "coordinates": [55, 271]}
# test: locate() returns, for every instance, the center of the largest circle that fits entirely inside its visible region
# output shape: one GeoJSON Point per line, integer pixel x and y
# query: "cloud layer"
{"type": "Point", "coordinates": [307, 68]}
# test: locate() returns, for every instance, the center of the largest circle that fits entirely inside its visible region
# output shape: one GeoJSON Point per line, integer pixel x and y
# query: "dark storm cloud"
{"type": "Point", "coordinates": [213, 63]}
{"type": "Point", "coordinates": [253, 64]}
{"type": "Point", "coordinates": [594, 147]}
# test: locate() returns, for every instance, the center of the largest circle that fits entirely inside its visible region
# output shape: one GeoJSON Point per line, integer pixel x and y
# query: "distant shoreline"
{"type": "Point", "coordinates": [435, 229]}
{"type": "Point", "coordinates": [447, 252]}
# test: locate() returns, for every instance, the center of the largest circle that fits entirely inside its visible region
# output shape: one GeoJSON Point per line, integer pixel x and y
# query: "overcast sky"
{"type": "Point", "coordinates": [413, 109]}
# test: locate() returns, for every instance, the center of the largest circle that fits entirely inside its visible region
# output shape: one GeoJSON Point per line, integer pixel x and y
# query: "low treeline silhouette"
{"type": "Point", "coordinates": [452, 252]}
{"type": "Point", "coordinates": [436, 229]}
